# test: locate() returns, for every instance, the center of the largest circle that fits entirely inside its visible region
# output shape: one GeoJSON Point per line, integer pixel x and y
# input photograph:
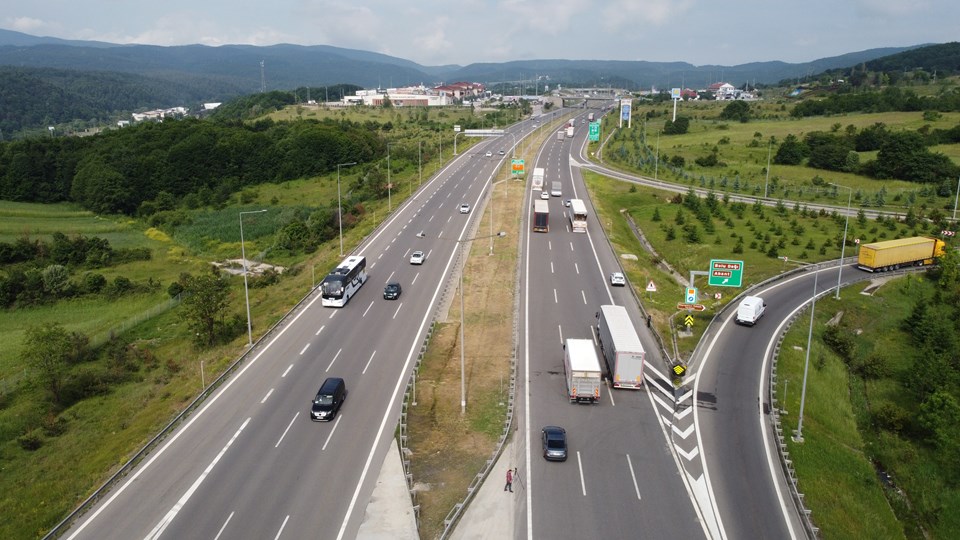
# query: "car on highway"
{"type": "Point", "coordinates": [501, 152]}
{"type": "Point", "coordinates": [617, 279]}
{"type": "Point", "coordinates": [464, 208]}
{"type": "Point", "coordinates": [545, 195]}
{"type": "Point", "coordinates": [326, 404]}
{"type": "Point", "coordinates": [392, 291]}
{"type": "Point", "coordinates": [554, 440]}
{"type": "Point", "coordinates": [489, 153]}
{"type": "Point", "coordinates": [417, 257]}
{"type": "Point", "coordinates": [566, 202]}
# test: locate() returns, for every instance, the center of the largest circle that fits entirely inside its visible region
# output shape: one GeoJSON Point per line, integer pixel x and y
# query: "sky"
{"type": "Point", "coordinates": [463, 32]}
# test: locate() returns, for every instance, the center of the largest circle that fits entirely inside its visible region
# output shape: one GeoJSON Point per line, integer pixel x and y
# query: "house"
{"type": "Point", "coordinates": [723, 91]}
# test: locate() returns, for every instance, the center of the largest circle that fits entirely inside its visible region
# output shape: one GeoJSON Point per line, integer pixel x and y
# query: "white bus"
{"type": "Point", "coordinates": [345, 280]}
{"type": "Point", "coordinates": [578, 216]}
{"type": "Point", "coordinates": [538, 174]}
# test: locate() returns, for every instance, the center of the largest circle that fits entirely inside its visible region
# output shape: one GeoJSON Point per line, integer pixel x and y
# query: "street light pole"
{"type": "Point", "coordinates": [463, 264]}
{"type": "Point", "coordinates": [389, 186]}
{"type": "Point", "coordinates": [340, 208]}
{"type": "Point", "coordinates": [243, 258]}
{"type": "Point", "coordinates": [798, 435]}
{"type": "Point", "coordinates": [656, 161]}
{"type": "Point", "coordinates": [767, 181]}
{"type": "Point", "coordinates": [844, 243]}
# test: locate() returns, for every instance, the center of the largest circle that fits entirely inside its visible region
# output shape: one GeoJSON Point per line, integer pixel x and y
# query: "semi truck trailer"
{"type": "Point", "coordinates": [541, 216]}
{"type": "Point", "coordinates": [582, 369]}
{"type": "Point", "coordinates": [621, 347]}
{"type": "Point", "coordinates": [893, 254]}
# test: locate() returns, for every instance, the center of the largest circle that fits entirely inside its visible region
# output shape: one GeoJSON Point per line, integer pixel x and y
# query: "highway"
{"type": "Point", "coordinates": [249, 462]}
{"type": "Point", "coordinates": [621, 478]}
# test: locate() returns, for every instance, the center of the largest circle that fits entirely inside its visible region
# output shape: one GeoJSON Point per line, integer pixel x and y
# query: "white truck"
{"type": "Point", "coordinates": [538, 174]}
{"type": "Point", "coordinates": [621, 347]}
{"type": "Point", "coordinates": [750, 310]}
{"type": "Point", "coordinates": [560, 135]}
{"type": "Point", "coordinates": [569, 132]}
{"type": "Point", "coordinates": [590, 117]}
{"type": "Point", "coordinates": [582, 368]}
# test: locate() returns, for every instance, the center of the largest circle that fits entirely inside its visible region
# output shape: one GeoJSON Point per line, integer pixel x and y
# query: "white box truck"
{"type": "Point", "coordinates": [570, 132]}
{"type": "Point", "coordinates": [582, 368]}
{"type": "Point", "coordinates": [621, 347]}
{"type": "Point", "coordinates": [750, 310]}
{"type": "Point", "coordinates": [560, 135]}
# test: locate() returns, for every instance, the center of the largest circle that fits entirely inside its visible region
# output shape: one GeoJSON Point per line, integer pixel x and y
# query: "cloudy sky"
{"type": "Point", "coordinates": [432, 32]}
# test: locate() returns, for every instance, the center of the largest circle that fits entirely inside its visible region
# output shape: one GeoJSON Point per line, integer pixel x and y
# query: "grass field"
{"type": "Point", "coordinates": [743, 148]}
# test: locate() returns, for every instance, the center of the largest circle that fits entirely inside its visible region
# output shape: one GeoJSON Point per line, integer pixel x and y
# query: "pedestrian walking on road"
{"type": "Point", "coordinates": [509, 486]}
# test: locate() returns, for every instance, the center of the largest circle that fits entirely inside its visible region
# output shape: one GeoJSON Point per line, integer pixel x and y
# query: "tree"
{"type": "Point", "coordinates": [48, 350]}
{"type": "Point", "coordinates": [791, 151]}
{"type": "Point", "coordinates": [204, 305]}
{"type": "Point", "coordinates": [736, 110]}
{"type": "Point", "coordinates": [678, 127]}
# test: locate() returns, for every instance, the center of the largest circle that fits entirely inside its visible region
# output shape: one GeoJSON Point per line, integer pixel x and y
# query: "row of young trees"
{"type": "Point", "coordinates": [902, 155]}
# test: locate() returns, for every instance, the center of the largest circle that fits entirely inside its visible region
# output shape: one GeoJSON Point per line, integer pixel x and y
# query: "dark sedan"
{"type": "Point", "coordinates": [554, 443]}
{"type": "Point", "coordinates": [391, 291]}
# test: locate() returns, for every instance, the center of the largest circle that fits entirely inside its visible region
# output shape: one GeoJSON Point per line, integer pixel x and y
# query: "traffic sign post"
{"type": "Point", "coordinates": [691, 295]}
{"type": "Point", "coordinates": [516, 167]}
{"type": "Point", "coordinates": [725, 273]}
{"type": "Point", "coordinates": [594, 133]}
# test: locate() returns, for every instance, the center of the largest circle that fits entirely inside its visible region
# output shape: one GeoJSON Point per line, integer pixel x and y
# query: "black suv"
{"type": "Point", "coordinates": [326, 404]}
{"type": "Point", "coordinates": [391, 291]}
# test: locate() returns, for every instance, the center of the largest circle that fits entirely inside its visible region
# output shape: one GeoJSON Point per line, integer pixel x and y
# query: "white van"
{"type": "Point", "coordinates": [750, 310]}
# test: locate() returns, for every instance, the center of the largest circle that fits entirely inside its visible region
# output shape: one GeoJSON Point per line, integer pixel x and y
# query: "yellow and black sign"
{"type": "Point", "coordinates": [679, 370]}
{"type": "Point", "coordinates": [688, 321]}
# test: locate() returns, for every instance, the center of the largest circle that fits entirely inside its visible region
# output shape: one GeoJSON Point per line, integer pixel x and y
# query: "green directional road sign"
{"type": "Point", "coordinates": [594, 131]}
{"type": "Point", "coordinates": [517, 167]}
{"type": "Point", "coordinates": [725, 273]}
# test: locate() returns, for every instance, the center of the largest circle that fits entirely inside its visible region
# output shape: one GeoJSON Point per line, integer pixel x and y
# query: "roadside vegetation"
{"type": "Point", "coordinates": [188, 181]}
{"type": "Point", "coordinates": [94, 375]}
{"type": "Point", "coordinates": [880, 451]}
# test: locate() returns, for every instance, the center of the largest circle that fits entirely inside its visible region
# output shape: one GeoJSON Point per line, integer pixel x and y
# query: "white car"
{"type": "Point", "coordinates": [566, 202]}
{"type": "Point", "coordinates": [545, 195]}
{"type": "Point", "coordinates": [617, 279]}
{"type": "Point", "coordinates": [464, 208]}
{"type": "Point", "coordinates": [417, 257]}
{"type": "Point", "coordinates": [489, 153]}
{"type": "Point", "coordinates": [501, 152]}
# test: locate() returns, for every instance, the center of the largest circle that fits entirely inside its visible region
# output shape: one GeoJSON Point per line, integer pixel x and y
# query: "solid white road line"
{"type": "Point", "coordinates": [282, 525]}
{"type": "Point", "coordinates": [364, 372]}
{"type": "Point", "coordinates": [167, 519]}
{"type": "Point", "coordinates": [634, 477]}
{"type": "Point", "coordinates": [583, 483]}
{"type": "Point", "coordinates": [224, 526]}
{"type": "Point", "coordinates": [332, 431]}
{"type": "Point", "coordinates": [284, 434]}
{"type": "Point", "coordinates": [334, 360]}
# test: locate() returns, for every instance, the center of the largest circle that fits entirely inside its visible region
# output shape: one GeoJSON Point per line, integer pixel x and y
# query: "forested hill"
{"type": "Point", "coordinates": [41, 97]}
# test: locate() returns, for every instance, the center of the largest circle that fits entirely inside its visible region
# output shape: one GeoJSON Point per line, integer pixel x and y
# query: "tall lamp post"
{"type": "Point", "coordinates": [339, 208]}
{"type": "Point", "coordinates": [463, 264]}
{"type": "Point", "coordinates": [389, 187]}
{"type": "Point", "coordinates": [246, 293]}
{"type": "Point", "coordinates": [767, 181]}
{"type": "Point", "coordinates": [798, 435]}
{"type": "Point", "coordinates": [844, 243]}
{"type": "Point", "coordinates": [656, 161]}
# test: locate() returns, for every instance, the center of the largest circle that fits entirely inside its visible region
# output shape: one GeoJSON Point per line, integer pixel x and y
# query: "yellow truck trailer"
{"type": "Point", "coordinates": [893, 254]}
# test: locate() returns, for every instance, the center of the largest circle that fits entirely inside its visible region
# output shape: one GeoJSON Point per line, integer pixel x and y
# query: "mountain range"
{"type": "Point", "coordinates": [290, 66]}
{"type": "Point", "coordinates": [50, 81]}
